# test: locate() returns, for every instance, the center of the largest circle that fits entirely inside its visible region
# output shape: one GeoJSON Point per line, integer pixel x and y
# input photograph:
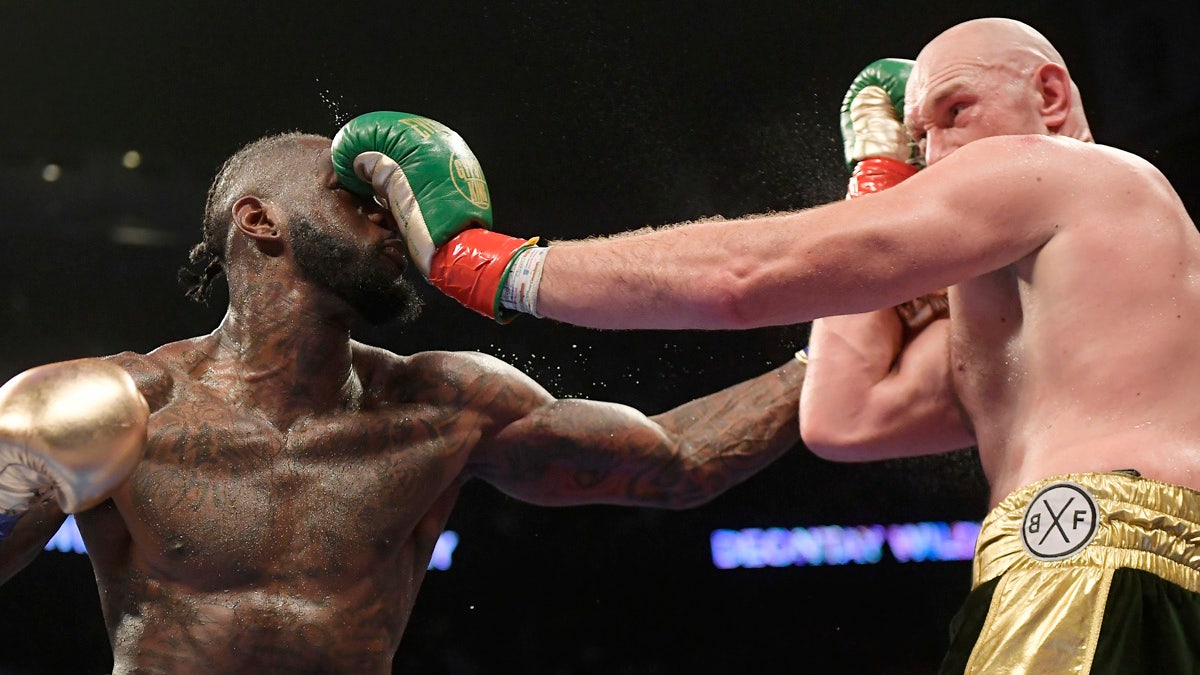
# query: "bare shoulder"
{"type": "Point", "coordinates": [1025, 181]}
{"type": "Point", "coordinates": [157, 372]}
{"type": "Point", "coordinates": [1044, 159]}
{"type": "Point", "coordinates": [462, 378]}
{"type": "Point", "coordinates": [1092, 184]}
{"type": "Point", "coordinates": [1127, 174]}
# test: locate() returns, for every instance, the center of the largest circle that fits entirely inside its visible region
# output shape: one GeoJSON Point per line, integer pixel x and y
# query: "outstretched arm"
{"type": "Point", "coordinates": [953, 221]}
{"type": "Point", "coordinates": [571, 451]}
{"type": "Point", "coordinates": [959, 221]}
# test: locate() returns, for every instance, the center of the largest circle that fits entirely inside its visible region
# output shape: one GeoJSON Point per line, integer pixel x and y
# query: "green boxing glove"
{"type": "Point", "coordinates": [880, 155]}
{"type": "Point", "coordinates": [877, 146]}
{"type": "Point", "coordinates": [425, 174]}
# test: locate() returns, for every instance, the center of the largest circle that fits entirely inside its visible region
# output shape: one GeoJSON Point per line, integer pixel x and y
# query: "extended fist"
{"type": "Point", "coordinates": [431, 182]}
{"type": "Point", "coordinates": [421, 170]}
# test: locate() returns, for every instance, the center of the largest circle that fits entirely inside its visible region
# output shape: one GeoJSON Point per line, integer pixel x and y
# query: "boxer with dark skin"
{"type": "Point", "coordinates": [295, 481]}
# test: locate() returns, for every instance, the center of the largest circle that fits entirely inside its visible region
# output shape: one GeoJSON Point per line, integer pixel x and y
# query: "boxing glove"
{"type": "Point", "coordinates": [877, 147]}
{"type": "Point", "coordinates": [430, 181]}
{"type": "Point", "coordinates": [880, 155]}
{"type": "Point", "coordinates": [72, 431]}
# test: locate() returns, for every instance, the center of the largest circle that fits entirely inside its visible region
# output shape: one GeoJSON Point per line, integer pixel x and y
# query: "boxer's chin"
{"type": "Point", "coordinates": [361, 276]}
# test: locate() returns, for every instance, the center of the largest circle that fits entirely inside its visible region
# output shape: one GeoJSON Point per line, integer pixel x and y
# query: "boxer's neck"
{"type": "Point", "coordinates": [289, 345]}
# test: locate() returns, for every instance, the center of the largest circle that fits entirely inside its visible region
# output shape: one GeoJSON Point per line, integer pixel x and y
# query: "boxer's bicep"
{"type": "Point", "coordinates": [573, 451]}
{"type": "Point", "coordinates": [848, 356]}
{"type": "Point", "coordinates": [863, 405]}
{"type": "Point", "coordinates": [989, 205]}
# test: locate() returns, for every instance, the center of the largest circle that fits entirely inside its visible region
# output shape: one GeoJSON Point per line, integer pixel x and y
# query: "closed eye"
{"type": "Point", "coordinates": [916, 137]}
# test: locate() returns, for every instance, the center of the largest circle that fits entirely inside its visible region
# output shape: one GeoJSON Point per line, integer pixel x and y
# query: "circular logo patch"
{"type": "Point", "coordinates": [469, 181]}
{"type": "Point", "coordinates": [1060, 520]}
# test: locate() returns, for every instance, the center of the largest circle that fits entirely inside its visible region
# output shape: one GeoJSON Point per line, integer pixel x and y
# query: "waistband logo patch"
{"type": "Point", "coordinates": [1060, 520]}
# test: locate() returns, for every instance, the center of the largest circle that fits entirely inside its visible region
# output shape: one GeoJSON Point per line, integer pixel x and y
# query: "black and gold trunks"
{"type": "Point", "coordinates": [1084, 574]}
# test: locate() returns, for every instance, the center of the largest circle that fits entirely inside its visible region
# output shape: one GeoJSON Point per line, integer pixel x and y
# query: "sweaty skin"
{"type": "Point", "coordinates": [295, 481]}
{"type": "Point", "coordinates": [1073, 272]}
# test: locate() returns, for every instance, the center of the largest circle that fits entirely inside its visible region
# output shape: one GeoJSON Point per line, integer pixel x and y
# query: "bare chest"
{"type": "Point", "coordinates": [987, 327]}
{"type": "Point", "coordinates": [224, 496]}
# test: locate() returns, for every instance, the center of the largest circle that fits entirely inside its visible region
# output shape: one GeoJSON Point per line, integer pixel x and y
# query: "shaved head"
{"type": "Point", "coordinates": [996, 40]}
{"type": "Point", "coordinates": [993, 54]}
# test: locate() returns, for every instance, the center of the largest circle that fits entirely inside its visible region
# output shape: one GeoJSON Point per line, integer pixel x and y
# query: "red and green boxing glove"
{"type": "Point", "coordinates": [429, 179]}
{"type": "Point", "coordinates": [880, 155]}
{"type": "Point", "coordinates": [878, 151]}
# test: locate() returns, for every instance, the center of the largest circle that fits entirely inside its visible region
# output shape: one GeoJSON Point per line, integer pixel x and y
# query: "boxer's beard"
{"type": "Point", "coordinates": [360, 276]}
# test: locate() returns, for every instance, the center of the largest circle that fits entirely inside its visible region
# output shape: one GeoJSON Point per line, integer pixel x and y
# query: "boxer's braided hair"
{"type": "Point", "coordinates": [260, 168]}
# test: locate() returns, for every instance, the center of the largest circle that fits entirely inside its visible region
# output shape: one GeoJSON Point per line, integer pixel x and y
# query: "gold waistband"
{"type": "Point", "coordinates": [1140, 523]}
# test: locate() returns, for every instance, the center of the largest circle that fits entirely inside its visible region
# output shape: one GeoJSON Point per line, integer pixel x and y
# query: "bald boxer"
{"type": "Point", "coordinates": [292, 482]}
{"type": "Point", "coordinates": [1069, 356]}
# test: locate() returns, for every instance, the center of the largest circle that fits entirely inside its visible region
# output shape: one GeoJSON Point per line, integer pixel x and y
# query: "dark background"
{"type": "Point", "coordinates": [588, 118]}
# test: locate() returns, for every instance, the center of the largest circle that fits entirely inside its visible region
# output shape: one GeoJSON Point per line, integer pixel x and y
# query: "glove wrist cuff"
{"type": "Point", "coordinates": [523, 279]}
{"type": "Point", "coordinates": [473, 266]}
{"type": "Point", "coordinates": [875, 174]}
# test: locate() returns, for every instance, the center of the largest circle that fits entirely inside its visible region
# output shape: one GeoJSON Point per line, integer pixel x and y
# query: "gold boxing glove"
{"type": "Point", "coordinates": [72, 431]}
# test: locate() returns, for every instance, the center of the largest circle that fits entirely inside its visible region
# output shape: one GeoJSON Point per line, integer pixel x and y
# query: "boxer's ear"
{"type": "Point", "coordinates": [1054, 88]}
{"type": "Point", "coordinates": [259, 220]}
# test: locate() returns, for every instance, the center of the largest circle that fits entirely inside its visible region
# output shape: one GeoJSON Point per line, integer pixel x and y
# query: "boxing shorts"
{"type": "Point", "coordinates": [1084, 574]}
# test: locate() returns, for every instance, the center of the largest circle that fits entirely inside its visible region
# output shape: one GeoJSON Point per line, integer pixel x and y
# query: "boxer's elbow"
{"type": "Point", "coordinates": [839, 425]}
{"type": "Point", "coordinates": [819, 438]}
{"type": "Point", "coordinates": [858, 441]}
{"type": "Point", "coordinates": [734, 300]}
{"type": "Point", "coordinates": [821, 431]}
{"type": "Point", "coordinates": [834, 441]}
{"type": "Point", "coordinates": [699, 480]}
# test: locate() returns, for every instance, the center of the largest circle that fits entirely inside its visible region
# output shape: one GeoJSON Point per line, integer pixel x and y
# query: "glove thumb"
{"type": "Point", "coordinates": [377, 169]}
{"type": "Point", "coordinates": [393, 191]}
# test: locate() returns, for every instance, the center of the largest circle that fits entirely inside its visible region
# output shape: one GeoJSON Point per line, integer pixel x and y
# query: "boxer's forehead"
{"type": "Point", "coordinates": [933, 81]}
{"type": "Point", "coordinates": [319, 154]}
{"type": "Point", "coordinates": [960, 59]}
{"type": "Point", "coordinates": [975, 46]}
{"type": "Point", "coordinates": [954, 50]}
